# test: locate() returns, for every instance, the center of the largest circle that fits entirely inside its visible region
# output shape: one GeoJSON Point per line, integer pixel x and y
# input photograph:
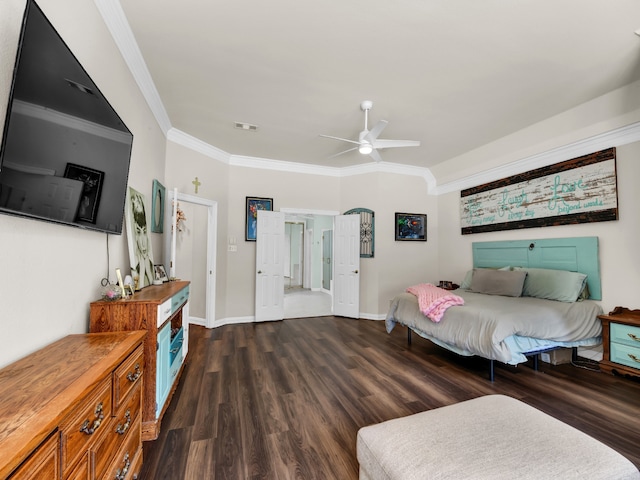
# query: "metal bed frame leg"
{"type": "Point", "coordinates": [535, 362]}
{"type": "Point", "coordinates": [491, 370]}
{"type": "Point", "coordinates": [408, 336]}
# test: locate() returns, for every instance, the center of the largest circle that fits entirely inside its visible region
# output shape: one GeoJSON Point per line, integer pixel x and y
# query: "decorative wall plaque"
{"type": "Point", "coordinates": [580, 190]}
{"type": "Point", "coordinates": [367, 230]}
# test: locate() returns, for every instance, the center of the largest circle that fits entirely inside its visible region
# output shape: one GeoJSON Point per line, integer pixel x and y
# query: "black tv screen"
{"type": "Point", "coordinates": [65, 152]}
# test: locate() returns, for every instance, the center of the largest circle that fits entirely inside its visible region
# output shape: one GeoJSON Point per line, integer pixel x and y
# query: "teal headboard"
{"type": "Point", "coordinates": [577, 254]}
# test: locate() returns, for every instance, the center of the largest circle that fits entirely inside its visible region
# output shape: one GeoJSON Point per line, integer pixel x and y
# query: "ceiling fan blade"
{"type": "Point", "coordinates": [342, 139]}
{"type": "Point", "coordinates": [375, 155]}
{"type": "Point", "coordinates": [376, 130]}
{"type": "Point", "coordinates": [395, 143]}
{"type": "Point", "coordinates": [344, 151]}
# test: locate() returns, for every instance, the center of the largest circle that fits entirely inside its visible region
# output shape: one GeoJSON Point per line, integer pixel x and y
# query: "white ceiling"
{"type": "Point", "coordinates": [453, 74]}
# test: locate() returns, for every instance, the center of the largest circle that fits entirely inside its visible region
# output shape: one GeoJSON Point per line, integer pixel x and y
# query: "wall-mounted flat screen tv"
{"type": "Point", "coordinates": [65, 152]}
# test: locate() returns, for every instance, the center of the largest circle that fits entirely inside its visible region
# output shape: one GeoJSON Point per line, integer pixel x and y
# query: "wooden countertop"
{"type": "Point", "coordinates": [152, 293]}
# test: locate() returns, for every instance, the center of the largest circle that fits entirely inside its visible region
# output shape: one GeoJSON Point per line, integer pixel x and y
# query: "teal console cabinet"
{"type": "Point", "coordinates": [163, 312]}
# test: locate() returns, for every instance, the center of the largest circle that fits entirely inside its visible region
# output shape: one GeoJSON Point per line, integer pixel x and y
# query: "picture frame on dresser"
{"type": "Point", "coordinates": [160, 273]}
{"type": "Point", "coordinates": [140, 252]}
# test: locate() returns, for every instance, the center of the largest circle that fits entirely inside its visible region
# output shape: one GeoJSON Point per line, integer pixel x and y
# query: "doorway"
{"type": "Point", "coordinates": [193, 253]}
{"type": "Point", "coordinates": [294, 252]}
{"type": "Point", "coordinates": [305, 270]}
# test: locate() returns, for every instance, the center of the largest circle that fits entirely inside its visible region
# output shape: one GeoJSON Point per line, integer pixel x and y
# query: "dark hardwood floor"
{"type": "Point", "coordinates": [285, 399]}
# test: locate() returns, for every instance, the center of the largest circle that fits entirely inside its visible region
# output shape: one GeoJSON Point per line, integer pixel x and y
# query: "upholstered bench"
{"type": "Point", "coordinates": [490, 437]}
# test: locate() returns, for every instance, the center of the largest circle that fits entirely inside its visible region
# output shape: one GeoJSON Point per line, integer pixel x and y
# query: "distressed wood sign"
{"type": "Point", "coordinates": [580, 190]}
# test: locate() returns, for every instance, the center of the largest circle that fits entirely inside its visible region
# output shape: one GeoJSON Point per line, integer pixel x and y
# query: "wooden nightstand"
{"type": "Point", "coordinates": [621, 342]}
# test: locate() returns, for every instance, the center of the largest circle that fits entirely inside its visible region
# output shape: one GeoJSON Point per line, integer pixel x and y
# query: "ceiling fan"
{"type": "Point", "coordinates": [368, 142]}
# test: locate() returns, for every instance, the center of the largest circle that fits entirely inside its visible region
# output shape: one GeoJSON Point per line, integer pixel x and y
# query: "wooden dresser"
{"type": "Point", "coordinates": [72, 410]}
{"type": "Point", "coordinates": [621, 342]}
{"type": "Point", "coordinates": [159, 310]}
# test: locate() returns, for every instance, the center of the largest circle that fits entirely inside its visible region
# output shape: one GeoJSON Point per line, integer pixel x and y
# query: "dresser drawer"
{"type": "Point", "coordinates": [136, 467]}
{"type": "Point", "coordinates": [164, 312]}
{"type": "Point", "coordinates": [88, 420]}
{"type": "Point", "coordinates": [625, 355]}
{"type": "Point", "coordinates": [127, 376]}
{"type": "Point", "coordinates": [82, 470]}
{"type": "Point", "coordinates": [119, 431]}
{"type": "Point", "coordinates": [626, 334]}
{"type": "Point", "coordinates": [179, 298]}
{"type": "Point", "coordinates": [42, 464]}
{"type": "Point", "coordinates": [124, 464]}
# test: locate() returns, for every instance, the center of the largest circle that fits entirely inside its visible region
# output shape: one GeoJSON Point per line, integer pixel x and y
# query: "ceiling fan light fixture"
{"type": "Point", "coordinates": [365, 148]}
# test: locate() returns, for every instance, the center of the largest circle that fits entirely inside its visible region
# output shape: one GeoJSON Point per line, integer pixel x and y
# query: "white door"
{"type": "Point", "coordinates": [270, 241]}
{"type": "Point", "coordinates": [346, 266]}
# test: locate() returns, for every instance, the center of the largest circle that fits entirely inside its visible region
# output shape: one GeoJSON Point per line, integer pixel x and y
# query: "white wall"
{"type": "Point", "coordinates": [619, 254]}
{"type": "Point", "coordinates": [50, 273]}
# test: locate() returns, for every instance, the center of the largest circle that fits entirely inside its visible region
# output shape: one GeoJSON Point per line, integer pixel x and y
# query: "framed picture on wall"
{"type": "Point", "coordinates": [253, 204]}
{"type": "Point", "coordinates": [157, 207]}
{"type": "Point", "coordinates": [411, 227]}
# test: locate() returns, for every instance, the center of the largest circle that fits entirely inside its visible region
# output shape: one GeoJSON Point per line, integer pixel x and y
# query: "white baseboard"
{"type": "Point", "coordinates": [198, 321]}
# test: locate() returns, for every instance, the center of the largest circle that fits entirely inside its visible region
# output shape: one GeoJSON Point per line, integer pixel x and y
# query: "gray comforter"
{"type": "Point", "coordinates": [486, 325]}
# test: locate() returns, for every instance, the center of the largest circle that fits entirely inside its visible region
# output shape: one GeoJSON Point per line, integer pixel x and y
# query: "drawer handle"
{"type": "Point", "coordinates": [132, 377]}
{"type": "Point", "coordinates": [634, 337]}
{"type": "Point", "coordinates": [122, 429]}
{"type": "Point", "coordinates": [177, 349]}
{"type": "Point", "coordinates": [121, 474]}
{"type": "Point", "coordinates": [634, 358]}
{"type": "Point", "coordinates": [96, 423]}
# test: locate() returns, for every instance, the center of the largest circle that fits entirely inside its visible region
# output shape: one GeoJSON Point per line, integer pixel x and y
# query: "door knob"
{"type": "Point", "coordinates": [355, 271]}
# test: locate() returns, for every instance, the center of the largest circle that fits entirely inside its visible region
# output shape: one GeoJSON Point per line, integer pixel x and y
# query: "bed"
{"type": "Point", "coordinates": [543, 315]}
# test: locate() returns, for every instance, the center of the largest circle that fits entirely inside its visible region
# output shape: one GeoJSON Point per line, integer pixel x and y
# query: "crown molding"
{"type": "Point", "coordinates": [283, 166]}
{"type": "Point", "coordinates": [188, 141]}
{"type": "Point", "coordinates": [613, 138]}
{"type": "Point", "coordinates": [117, 23]}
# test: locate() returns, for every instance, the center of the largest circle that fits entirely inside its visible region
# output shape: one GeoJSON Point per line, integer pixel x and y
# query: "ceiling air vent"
{"type": "Point", "coordinates": [246, 126]}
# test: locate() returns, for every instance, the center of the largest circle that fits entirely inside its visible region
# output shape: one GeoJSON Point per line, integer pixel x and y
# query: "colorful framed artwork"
{"type": "Point", "coordinates": [253, 204]}
{"type": "Point", "coordinates": [157, 207]}
{"type": "Point", "coordinates": [411, 227]}
{"type": "Point", "coordinates": [90, 197]}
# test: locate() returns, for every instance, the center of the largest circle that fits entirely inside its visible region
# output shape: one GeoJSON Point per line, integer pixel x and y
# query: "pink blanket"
{"type": "Point", "coordinates": [434, 301]}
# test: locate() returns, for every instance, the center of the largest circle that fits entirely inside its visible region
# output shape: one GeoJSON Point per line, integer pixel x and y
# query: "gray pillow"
{"type": "Point", "coordinates": [466, 283]}
{"type": "Point", "coordinates": [560, 285]}
{"type": "Point", "coordinates": [498, 282]}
